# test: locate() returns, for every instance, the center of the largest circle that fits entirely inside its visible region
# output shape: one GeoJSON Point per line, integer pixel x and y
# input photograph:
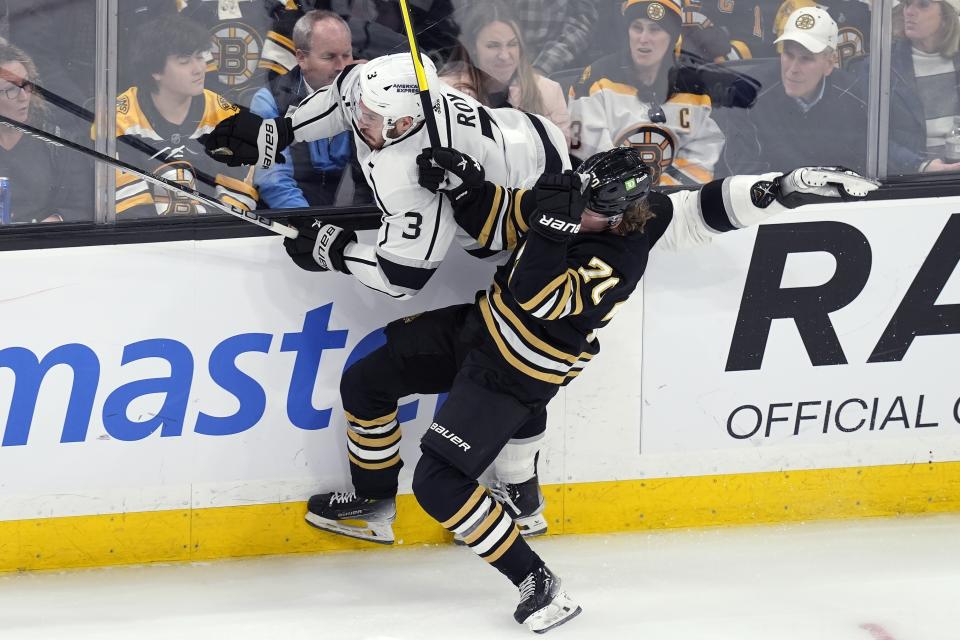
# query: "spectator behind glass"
{"type": "Point", "coordinates": [631, 98]}
{"type": "Point", "coordinates": [47, 183]}
{"type": "Point", "coordinates": [312, 172]}
{"type": "Point", "coordinates": [160, 119]}
{"type": "Point", "coordinates": [924, 84]}
{"type": "Point", "coordinates": [811, 115]}
{"type": "Point", "coordinates": [491, 65]}
{"type": "Point", "coordinates": [557, 31]}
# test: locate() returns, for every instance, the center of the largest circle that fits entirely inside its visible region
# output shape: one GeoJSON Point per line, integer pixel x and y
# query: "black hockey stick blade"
{"type": "Point", "coordinates": [249, 216]}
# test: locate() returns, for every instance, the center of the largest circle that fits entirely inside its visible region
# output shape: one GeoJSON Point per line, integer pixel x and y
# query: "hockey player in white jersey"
{"type": "Point", "coordinates": [379, 101]}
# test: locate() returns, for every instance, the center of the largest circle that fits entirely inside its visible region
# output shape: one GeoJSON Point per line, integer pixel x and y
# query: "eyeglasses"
{"type": "Point", "coordinates": [13, 92]}
{"type": "Point", "coordinates": [656, 114]}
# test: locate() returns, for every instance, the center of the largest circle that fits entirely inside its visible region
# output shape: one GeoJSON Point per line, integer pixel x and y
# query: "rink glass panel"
{"type": "Point", "coordinates": [87, 56]}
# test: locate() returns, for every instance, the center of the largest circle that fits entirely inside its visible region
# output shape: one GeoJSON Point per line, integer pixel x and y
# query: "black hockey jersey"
{"type": "Point", "coordinates": [240, 35]}
{"type": "Point", "coordinates": [145, 139]}
{"type": "Point", "coordinates": [548, 301]}
{"type": "Point", "coordinates": [239, 30]}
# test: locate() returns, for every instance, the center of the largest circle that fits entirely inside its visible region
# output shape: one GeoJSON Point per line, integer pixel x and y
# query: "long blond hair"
{"type": "Point", "coordinates": [474, 20]}
{"type": "Point", "coordinates": [948, 36]}
{"type": "Point", "coordinates": [39, 111]}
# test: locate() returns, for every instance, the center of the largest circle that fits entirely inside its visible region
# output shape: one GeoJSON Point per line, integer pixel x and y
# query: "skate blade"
{"type": "Point", "coordinates": [561, 609]}
{"type": "Point", "coordinates": [379, 532]}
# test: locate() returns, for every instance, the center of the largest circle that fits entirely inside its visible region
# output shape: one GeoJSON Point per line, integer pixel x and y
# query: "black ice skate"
{"type": "Point", "coordinates": [543, 604]}
{"type": "Point", "coordinates": [349, 515]}
{"type": "Point", "coordinates": [524, 503]}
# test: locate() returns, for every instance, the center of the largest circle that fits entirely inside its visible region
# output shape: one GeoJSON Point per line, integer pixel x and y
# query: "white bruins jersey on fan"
{"type": "Point", "coordinates": [606, 112]}
{"type": "Point", "coordinates": [417, 227]}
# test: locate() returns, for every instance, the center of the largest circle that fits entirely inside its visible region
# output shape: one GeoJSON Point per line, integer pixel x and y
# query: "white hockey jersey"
{"type": "Point", "coordinates": [606, 111]}
{"type": "Point", "coordinates": [417, 227]}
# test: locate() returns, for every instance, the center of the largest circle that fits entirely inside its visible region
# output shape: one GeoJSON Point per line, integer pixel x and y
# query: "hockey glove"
{"type": "Point", "coordinates": [560, 200]}
{"type": "Point", "coordinates": [246, 138]}
{"type": "Point", "coordinates": [811, 185]}
{"type": "Point", "coordinates": [467, 172]}
{"type": "Point", "coordinates": [319, 246]}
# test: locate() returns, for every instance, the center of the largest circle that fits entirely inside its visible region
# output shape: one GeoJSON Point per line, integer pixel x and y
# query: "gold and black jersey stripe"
{"type": "Point", "coordinates": [520, 345]}
{"type": "Point", "coordinates": [505, 216]}
{"type": "Point", "coordinates": [546, 303]}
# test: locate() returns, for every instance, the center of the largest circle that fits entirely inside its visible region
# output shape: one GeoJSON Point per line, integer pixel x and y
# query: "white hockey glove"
{"type": "Point", "coordinates": [319, 246]}
{"type": "Point", "coordinates": [810, 185]}
{"type": "Point", "coordinates": [245, 138]}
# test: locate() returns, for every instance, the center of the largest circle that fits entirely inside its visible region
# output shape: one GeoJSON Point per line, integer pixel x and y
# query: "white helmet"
{"type": "Point", "coordinates": [388, 87]}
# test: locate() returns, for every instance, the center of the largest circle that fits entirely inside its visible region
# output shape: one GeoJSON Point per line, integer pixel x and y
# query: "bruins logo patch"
{"type": "Point", "coordinates": [123, 104]}
{"type": "Point", "coordinates": [175, 203]}
{"type": "Point", "coordinates": [225, 104]}
{"type": "Point", "coordinates": [655, 11]}
{"type": "Point", "coordinates": [236, 52]}
{"type": "Point", "coordinates": [657, 146]}
{"type": "Point", "coordinates": [805, 21]}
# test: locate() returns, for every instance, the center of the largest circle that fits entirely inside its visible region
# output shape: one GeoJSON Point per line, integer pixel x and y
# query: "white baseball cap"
{"type": "Point", "coordinates": [812, 27]}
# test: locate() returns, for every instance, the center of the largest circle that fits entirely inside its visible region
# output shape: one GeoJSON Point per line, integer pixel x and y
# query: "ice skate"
{"type": "Point", "coordinates": [543, 604]}
{"type": "Point", "coordinates": [349, 515]}
{"type": "Point", "coordinates": [524, 503]}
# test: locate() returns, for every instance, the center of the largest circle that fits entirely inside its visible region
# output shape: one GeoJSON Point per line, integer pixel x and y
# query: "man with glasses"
{"type": "Point", "coordinates": [312, 171]}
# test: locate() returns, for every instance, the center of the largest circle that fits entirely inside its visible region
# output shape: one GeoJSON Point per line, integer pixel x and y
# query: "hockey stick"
{"type": "Point", "coordinates": [136, 143]}
{"type": "Point", "coordinates": [432, 130]}
{"type": "Point", "coordinates": [249, 216]}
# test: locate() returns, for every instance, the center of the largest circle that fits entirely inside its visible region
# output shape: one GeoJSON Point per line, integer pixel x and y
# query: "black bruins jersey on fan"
{"type": "Point", "coordinates": [240, 30]}
{"type": "Point", "coordinates": [240, 33]}
{"type": "Point", "coordinates": [147, 140]}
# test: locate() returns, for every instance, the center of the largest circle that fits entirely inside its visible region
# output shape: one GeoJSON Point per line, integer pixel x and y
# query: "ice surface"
{"type": "Point", "coordinates": [892, 579]}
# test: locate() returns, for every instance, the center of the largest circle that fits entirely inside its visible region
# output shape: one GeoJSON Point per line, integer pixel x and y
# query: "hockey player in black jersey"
{"type": "Point", "coordinates": [580, 253]}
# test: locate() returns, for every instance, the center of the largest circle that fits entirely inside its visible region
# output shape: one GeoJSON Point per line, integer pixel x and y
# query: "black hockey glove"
{"type": "Point", "coordinates": [246, 138]}
{"type": "Point", "coordinates": [811, 185]}
{"type": "Point", "coordinates": [468, 173]}
{"type": "Point", "coordinates": [319, 247]}
{"type": "Point", "coordinates": [560, 202]}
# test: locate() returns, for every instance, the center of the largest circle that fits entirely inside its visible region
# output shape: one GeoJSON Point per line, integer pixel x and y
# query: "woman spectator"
{"type": "Point", "coordinates": [491, 65]}
{"type": "Point", "coordinates": [925, 84]}
{"type": "Point", "coordinates": [46, 185]}
{"type": "Point", "coordinates": [636, 97]}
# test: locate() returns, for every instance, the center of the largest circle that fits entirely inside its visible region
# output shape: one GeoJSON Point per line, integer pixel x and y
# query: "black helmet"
{"type": "Point", "coordinates": [616, 177]}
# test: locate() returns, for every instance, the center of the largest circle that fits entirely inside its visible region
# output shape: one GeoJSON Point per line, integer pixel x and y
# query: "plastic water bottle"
{"type": "Point", "coordinates": [952, 151]}
{"type": "Point", "coordinates": [4, 200]}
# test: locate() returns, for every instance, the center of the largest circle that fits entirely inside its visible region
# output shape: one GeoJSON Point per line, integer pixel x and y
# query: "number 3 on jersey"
{"type": "Point", "coordinates": [414, 220]}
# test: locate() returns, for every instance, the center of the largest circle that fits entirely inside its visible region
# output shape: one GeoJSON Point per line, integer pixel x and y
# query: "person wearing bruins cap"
{"type": "Point", "coordinates": [924, 86]}
{"type": "Point", "coordinates": [809, 113]}
{"type": "Point", "coordinates": [633, 98]}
